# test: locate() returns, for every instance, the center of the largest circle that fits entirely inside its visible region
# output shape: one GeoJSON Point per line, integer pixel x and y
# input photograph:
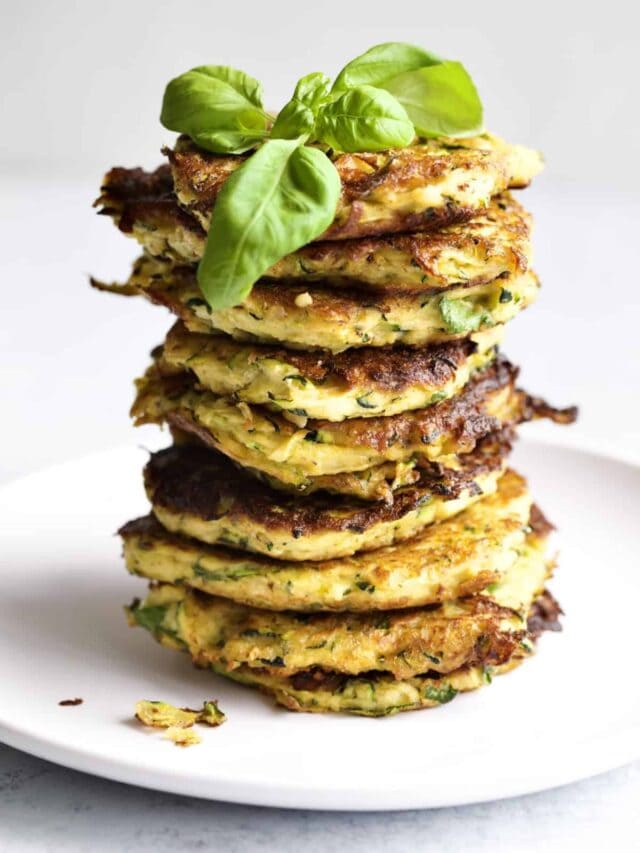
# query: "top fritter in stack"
{"type": "Point", "coordinates": [335, 521]}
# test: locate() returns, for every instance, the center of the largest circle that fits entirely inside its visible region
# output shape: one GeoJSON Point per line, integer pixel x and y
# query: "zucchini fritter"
{"type": "Point", "coordinates": [375, 695]}
{"type": "Point", "coordinates": [451, 559]}
{"type": "Point", "coordinates": [200, 493]}
{"type": "Point", "coordinates": [495, 243]}
{"type": "Point", "coordinates": [371, 695]}
{"type": "Point", "coordinates": [369, 663]}
{"type": "Point", "coordinates": [424, 186]}
{"type": "Point", "coordinates": [315, 316]}
{"type": "Point", "coordinates": [479, 629]}
{"type": "Point", "coordinates": [357, 383]}
{"type": "Point", "coordinates": [366, 458]}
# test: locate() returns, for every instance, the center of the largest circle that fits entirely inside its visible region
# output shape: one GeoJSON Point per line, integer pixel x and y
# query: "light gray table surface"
{"type": "Point", "coordinates": [47, 808]}
{"type": "Point", "coordinates": [71, 354]}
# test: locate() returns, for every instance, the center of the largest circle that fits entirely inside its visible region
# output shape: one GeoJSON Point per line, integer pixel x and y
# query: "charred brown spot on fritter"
{"type": "Point", "coordinates": [539, 523]}
{"type": "Point", "coordinates": [125, 289]}
{"type": "Point", "coordinates": [121, 184]}
{"type": "Point", "coordinates": [133, 196]}
{"type": "Point", "coordinates": [144, 526]}
{"type": "Point", "coordinates": [544, 615]}
{"type": "Point", "coordinates": [536, 408]}
{"type": "Point", "coordinates": [195, 480]}
{"type": "Point", "coordinates": [334, 682]}
{"type": "Point", "coordinates": [461, 415]}
{"type": "Point", "coordinates": [317, 679]}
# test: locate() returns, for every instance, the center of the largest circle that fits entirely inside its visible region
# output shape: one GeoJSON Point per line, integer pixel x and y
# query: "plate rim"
{"type": "Point", "coordinates": [605, 753]}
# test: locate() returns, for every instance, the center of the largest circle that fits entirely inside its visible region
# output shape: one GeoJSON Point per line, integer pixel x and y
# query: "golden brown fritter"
{"type": "Point", "coordinates": [496, 242]}
{"type": "Point", "coordinates": [366, 458]}
{"type": "Point", "coordinates": [451, 559]}
{"type": "Point", "coordinates": [422, 187]}
{"type": "Point", "coordinates": [365, 382]}
{"type": "Point", "coordinates": [371, 663]}
{"type": "Point", "coordinates": [200, 493]}
{"type": "Point", "coordinates": [316, 316]}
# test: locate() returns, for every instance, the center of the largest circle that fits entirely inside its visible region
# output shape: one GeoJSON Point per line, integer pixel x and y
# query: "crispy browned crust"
{"type": "Point", "coordinates": [121, 184]}
{"type": "Point", "coordinates": [460, 415]}
{"type": "Point", "coordinates": [189, 479]}
{"type": "Point", "coordinates": [539, 523]}
{"type": "Point", "coordinates": [544, 615]}
{"type": "Point", "coordinates": [463, 417]}
{"type": "Point", "coordinates": [391, 368]}
{"type": "Point", "coordinates": [422, 248]}
{"type": "Point", "coordinates": [148, 526]}
{"type": "Point", "coordinates": [493, 644]}
{"type": "Point", "coordinates": [539, 408]}
{"type": "Point", "coordinates": [133, 195]}
{"type": "Point", "coordinates": [202, 175]}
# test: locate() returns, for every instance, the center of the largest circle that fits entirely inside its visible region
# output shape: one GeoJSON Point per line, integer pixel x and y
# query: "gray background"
{"type": "Point", "coordinates": [82, 84]}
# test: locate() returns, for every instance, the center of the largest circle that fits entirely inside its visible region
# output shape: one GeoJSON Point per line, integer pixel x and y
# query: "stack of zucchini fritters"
{"type": "Point", "coordinates": [335, 521]}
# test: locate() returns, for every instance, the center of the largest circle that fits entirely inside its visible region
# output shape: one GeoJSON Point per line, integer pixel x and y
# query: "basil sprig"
{"type": "Point", "coordinates": [285, 195]}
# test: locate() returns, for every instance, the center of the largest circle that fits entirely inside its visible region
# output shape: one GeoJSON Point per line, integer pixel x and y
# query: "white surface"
{"type": "Point", "coordinates": [570, 712]}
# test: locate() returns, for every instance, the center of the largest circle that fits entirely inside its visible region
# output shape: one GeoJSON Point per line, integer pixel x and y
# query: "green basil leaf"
{"type": "Point", "coordinates": [441, 100]}
{"type": "Point", "coordinates": [312, 89]}
{"type": "Point", "coordinates": [243, 83]}
{"type": "Point", "coordinates": [364, 119]}
{"type": "Point", "coordinates": [297, 118]}
{"type": "Point", "coordinates": [294, 120]}
{"type": "Point", "coordinates": [382, 62]}
{"type": "Point", "coordinates": [220, 108]}
{"type": "Point", "coordinates": [281, 198]}
{"type": "Point", "coordinates": [461, 316]}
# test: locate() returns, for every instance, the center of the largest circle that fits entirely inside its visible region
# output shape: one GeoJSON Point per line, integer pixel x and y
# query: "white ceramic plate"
{"type": "Point", "coordinates": [572, 711]}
